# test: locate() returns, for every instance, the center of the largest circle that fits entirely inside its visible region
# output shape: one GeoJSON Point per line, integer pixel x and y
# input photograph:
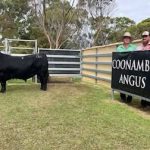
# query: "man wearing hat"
{"type": "Point", "coordinates": [145, 41]}
{"type": "Point", "coordinates": [145, 46]}
{"type": "Point", "coordinates": [126, 47]}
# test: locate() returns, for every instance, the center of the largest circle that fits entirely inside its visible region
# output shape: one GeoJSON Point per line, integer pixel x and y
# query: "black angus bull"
{"type": "Point", "coordinates": [24, 67]}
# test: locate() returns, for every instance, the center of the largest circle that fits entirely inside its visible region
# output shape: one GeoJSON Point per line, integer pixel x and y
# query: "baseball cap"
{"type": "Point", "coordinates": [145, 33]}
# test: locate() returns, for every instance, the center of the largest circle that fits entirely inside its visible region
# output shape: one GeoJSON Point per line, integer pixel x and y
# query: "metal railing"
{"type": "Point", "coordinates": [9, 48]}
{"type": "Point", "coordinates": [91, 64]}
{"type": "Point", "coordinates": [63, 62]}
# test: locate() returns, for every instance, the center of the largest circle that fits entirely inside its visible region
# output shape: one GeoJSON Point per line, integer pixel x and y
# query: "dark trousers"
{"type": "Point", "coordinates": [145, 103]}
{"type": "Point", "coordinates": [125, 99]}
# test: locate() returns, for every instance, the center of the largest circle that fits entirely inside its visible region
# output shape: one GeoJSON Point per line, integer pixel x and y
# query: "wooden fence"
{"type": "Point", "coordinates": [96, 63]}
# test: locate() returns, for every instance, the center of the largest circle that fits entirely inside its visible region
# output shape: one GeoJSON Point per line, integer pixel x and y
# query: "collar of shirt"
{"type": "Point", "coordinates": [130, 45]}
{"type": "Point", "coordinates": [147, 47]}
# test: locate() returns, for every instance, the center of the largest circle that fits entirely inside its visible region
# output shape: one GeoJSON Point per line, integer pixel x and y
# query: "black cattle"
{"type": "Point", "coordinates": [24, 67]}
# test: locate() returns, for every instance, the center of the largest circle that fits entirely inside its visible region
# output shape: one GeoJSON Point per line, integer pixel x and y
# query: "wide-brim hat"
{"type": "Point", "coordinates": [127, 34]}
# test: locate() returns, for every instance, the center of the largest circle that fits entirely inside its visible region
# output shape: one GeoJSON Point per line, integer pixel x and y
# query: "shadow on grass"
{"type": "Point", "coordinates": [64, 80]}
{"type": "Point", "coordinates": [22, 87]}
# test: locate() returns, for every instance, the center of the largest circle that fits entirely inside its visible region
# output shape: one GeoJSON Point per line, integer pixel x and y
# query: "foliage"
{"type": "Point", "coordinates": [59, 21]}
{"type": "Point", "coordinates": [137, 30]}
{"type": "Point", "coordinates": [13, 17]}
{"type": "Point", "coordinates": [99, 15]}
{"type": "Point", "coordinates": [66, 24]}
{"type": "Point", "coordinates": [118, 26]}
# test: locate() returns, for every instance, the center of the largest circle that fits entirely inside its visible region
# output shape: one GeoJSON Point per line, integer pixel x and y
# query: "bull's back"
{"type": "Point", "coordinates": [21, 67]}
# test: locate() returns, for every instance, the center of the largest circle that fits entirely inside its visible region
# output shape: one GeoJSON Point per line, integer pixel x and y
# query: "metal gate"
{"type": "Point", "coordinates": [9, 48]}
{"type": "Point", "coordinates": [63, 62]}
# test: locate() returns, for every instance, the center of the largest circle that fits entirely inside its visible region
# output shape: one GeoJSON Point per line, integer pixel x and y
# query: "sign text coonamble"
{"type": "Point", "coordinates": [131, 72]}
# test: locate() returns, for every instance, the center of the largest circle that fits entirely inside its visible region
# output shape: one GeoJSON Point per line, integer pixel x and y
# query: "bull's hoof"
{"type": "Point", "coordinates": [43, 88]}
{"type": "Point", "coordinates": [3, 91]}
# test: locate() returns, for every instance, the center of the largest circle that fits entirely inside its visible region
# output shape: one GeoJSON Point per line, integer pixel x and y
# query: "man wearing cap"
{"type": "Point", "coordinates": [145, 46]}
{"type": "Point", "coordinates": [145, 41]}
{"type": "Point", "coordinates": [126, 47]}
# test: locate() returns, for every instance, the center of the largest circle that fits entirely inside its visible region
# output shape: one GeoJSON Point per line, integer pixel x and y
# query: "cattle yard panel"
{"type": "Point", "coordinates": [9, 48]}
{"type": "Point", "coordinates": [2, 48]}
{"type": "Point", "coordinates": [63, 62]}
{"type": "Point", "coordinates": [96, 63]}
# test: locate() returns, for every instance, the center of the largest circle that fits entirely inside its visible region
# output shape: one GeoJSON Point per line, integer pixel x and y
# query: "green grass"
{"type": "Point", "coordinates": [69, 117]}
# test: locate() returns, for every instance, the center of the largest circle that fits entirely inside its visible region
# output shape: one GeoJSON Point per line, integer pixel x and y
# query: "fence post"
{"type": "Point", "coordinates": [36, 47]}
{"type": "Point", "coordinates": [81, 61]}
{"type": "Point", "coordinates": [96, 67]}
{"type": "Point", "coordinates": [6, 45]}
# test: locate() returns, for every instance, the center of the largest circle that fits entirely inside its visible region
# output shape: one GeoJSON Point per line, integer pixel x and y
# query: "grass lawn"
{"type": "Point", "coordinates": [70, 117]}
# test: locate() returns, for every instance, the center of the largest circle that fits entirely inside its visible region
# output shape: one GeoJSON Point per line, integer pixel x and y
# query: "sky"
{"type": "Point", "coordinates": [136, 10]}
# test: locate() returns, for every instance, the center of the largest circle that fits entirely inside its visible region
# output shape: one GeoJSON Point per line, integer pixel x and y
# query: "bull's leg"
{"type": "Point", "coordinates": [3, 86]}
{"type": "Point", "coordinates": [43, 80]}
{"type": "Point", "coordinates": [44, 83]}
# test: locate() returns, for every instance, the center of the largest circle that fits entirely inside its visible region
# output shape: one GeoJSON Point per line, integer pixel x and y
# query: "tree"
{"type": "Point", "coordinates": [138, 29]}
{"type": "Point", "coordinates": [99, 16]}
{"type": "Point", "coordinates": [117, 27]}
{"type": "Point", "coordinates": [14, 17]}
{"type": "Point", "coordinates": [144, 25]}
{"type": "Point", "coordinates": [58, 19]}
